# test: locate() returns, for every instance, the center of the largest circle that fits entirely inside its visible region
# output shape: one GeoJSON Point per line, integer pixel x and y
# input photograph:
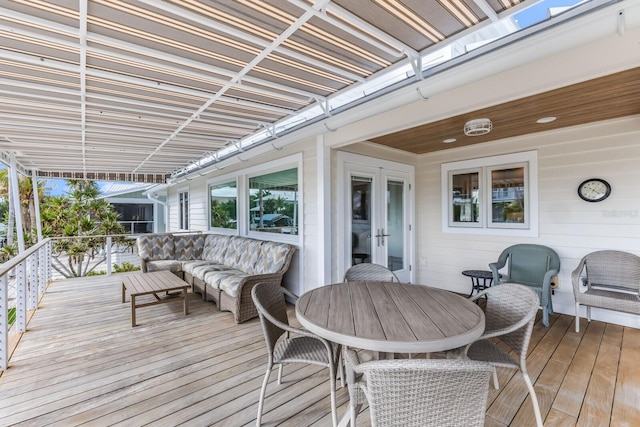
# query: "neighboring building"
{"type": "Point", "coordinates": [138, 213]}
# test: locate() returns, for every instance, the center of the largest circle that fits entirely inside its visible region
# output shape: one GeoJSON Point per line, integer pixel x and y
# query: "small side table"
{"type": "Point", "coordinates": [476, 276]}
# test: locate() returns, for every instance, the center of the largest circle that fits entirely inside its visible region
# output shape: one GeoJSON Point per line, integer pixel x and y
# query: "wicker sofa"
{"type": "Point", "coordinates": [222, 268]}
{"type": "Point", "coordinates": [611, 280]}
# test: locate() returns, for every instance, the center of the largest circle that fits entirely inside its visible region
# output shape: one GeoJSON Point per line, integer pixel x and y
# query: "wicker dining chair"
{"type": "Point", "coordinates": [368, 271]}
{"type": "Point", "coordinates": [419, 392]}
{"type": "Point", "coordinates": [304, 347]}
{"type": "Point", "coordinates": [509, 315]}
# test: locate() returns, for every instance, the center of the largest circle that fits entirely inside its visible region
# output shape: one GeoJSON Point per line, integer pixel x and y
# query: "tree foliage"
{"type": "Point", "coordinates": [80, 214]}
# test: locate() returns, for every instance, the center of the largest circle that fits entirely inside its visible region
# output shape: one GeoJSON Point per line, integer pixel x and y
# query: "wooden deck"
{"type": "Point", "coordinates": [81, 362]}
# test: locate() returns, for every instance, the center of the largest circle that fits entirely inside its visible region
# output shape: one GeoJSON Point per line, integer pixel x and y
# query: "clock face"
{"type": "Point", "coordinates": [594, 190]}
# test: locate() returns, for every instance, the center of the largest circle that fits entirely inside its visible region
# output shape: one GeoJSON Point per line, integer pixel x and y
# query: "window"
{"type": "Point", "coordinates": [224, 205]}
{"type": "Point", "coordinates": [492, 195]}
{"type": "Point", "coordinates": [273, 202]}
{"type": "Point", "coordinates": [183, 210]}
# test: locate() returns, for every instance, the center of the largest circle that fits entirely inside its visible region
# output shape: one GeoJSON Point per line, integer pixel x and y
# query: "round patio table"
{"type": "Point", "coordinates": [390, 317]}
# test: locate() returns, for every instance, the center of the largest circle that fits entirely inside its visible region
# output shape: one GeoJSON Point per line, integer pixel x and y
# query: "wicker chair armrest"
{"type": "Point", "coordinates": [575, 276]}
{"type": "Point", "coordinates": [501, 331]}
{"type": "Point", "coordinates": [495, 267]}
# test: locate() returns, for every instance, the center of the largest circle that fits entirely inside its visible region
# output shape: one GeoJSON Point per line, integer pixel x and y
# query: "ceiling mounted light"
{"type": "Point", "coordinates": [449, 140]}
{"type": "Point", "coordinates": [477, 127]}
{"type": "Point", "coordinates": [546, 120]}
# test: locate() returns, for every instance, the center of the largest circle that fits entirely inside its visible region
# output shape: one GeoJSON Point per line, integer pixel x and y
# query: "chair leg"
{"type": "Point", "coordinates": [496, 385]}
{"type": "Point", "coordinates": [280, 374]}
{"type": "Point", "coordinates": [263, 390]}
{"type": "Point", "coordinates": [577, 317]}
{"type": "Point", "coordinates": [334, 410]}
{"type": "Point", "coordinates": [534, 399]}
{"type": "Point", "coordinates": [589, 313]}
{"type": "Point", "coordinates": [545, 316]}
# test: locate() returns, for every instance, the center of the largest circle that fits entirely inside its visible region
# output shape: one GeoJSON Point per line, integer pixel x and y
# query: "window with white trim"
{"type": "Point", "coordinates": [273, 202]}
{"type": "Point", "coordinates": [183, 210]}
{"type": "Point", "coordinates": [223, 203]}
{"type": "Point", "coordinates": [491, 195]}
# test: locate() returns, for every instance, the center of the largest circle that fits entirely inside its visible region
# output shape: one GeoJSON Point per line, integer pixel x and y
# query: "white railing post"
{"type": "Point", "coordinates": [32, 282]}
{"type": "Point", "coordinates": [21, 297]}
{"type": "Point", "coordinates": [49, 250]}
{"type": "Point", "coordinates": [42, 275]}
{"type": "Point", "coordinates": [108, 255]}
{"type": "Point", "coordinates": [4, 323]}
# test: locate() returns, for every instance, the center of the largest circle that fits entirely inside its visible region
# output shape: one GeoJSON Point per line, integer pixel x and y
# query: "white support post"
{"type": "Point", "coordinates": [4, 323]}
{"type": "Point", "coordinates": [21, 297]}
{"type": "Point", "coordinates": [15, 202]}
{"type": "Point", "coordinates": [36, 204]}
{"type": "Point", "coordinates": [323, 179]}
{"type": "Point", "coordinates": [108, 249]}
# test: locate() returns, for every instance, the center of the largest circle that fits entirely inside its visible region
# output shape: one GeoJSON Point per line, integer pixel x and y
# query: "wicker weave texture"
{"type": "Point", "coordinates": [510, 315]}
{"type": "Point", "coordinates": [424, 393]}
{"type": "Point", "coordinates": [299, 345]}
{"type": "Point", "coordinates": [367, 271]}
{"type": "Point", "coordinates": [612, 280]}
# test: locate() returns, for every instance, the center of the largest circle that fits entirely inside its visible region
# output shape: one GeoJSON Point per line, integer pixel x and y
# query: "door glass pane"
{"type": "Point", "coordinates": [464, 197]}
{"type": "Point", "coordinates": [507, 196]}
{"type": "Point", "coordinates": [360, 219]}
{"type": "Point", "coordinates": [395, 225]}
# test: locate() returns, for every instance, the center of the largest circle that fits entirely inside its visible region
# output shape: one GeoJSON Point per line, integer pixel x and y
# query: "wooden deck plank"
{"type": "Point", "coordinates": [574, 385]}
{"type": "Point", "coordinates": [80, 362]}
{"type": "Point", "coordinates": [626, 403]}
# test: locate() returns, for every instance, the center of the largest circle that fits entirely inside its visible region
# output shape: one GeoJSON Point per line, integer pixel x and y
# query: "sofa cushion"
{"type": "Point", "coordinates": [188, 246]}
{"type": "Point", "coordinates": [200, 269]}
{"type": "Point", "coordinates": [242, 253]}
{"type": "Point", "coordinates": [215, 248]}
{"type": "Point", "coordinates": [272, 257]}
{"type": "Point", "coordinates": [153, 247]}
{"type": "Point", "coordinates": [165, 264]}
{"type": "Point", "coordinates": [227, 281]}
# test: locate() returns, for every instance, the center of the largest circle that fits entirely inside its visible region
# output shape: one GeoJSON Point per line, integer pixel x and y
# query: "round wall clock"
{"type": "Point", "coordinates": [594, 190]}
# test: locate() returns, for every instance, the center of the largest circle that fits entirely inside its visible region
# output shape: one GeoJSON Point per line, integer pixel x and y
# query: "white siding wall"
{"type": "Point", "coordinates": [199, 206]}
{"type": "Point", "coordinates": [609, 150]}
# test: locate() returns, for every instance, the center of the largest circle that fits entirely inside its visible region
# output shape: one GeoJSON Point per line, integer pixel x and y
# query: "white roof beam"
{"type": "Point", "coordinates": [487, 9]}
{"type": "Point", "coordinates": [401, 49]}
{"type": "Point", "coordinates": [255, 61]}
{"type": "Point", "coordinates": [83, 78]}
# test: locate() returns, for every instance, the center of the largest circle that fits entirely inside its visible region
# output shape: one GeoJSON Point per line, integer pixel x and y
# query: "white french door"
{"type": "Point", "coordinates": [378, 211]}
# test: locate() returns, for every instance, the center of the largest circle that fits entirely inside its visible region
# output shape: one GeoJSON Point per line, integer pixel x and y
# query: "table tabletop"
{"type": "Point", "coordinates": [390, 316]}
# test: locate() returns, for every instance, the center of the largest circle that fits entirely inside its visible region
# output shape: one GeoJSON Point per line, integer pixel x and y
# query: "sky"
{"type": "Point", "coordinates": [538, 12]}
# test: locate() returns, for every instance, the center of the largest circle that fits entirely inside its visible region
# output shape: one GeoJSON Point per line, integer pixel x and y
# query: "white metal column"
{"type": "Point", "coordinates": [15, 202]}
{"type": "Point", "coordinates": [36, 204]}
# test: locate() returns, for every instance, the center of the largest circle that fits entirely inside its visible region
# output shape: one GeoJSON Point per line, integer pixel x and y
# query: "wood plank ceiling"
{"type": "Point", "coordinates": [141, 89]}
{"type": "Point", "coordinates": [604, 98]}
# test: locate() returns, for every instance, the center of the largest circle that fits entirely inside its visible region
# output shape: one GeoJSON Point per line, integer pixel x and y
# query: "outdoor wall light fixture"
{"type": "Point", "coordinates": [477, 127]}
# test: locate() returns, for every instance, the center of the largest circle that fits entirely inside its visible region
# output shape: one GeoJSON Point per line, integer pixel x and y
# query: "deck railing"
{"type": "Point", "coordinates": [25, 277]}
{"type": "Point", "coordinates": [23, 281]}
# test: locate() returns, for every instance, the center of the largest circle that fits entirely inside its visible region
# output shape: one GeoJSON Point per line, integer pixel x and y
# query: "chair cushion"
{"type": "Point", "coordinates": [166, 264]}
{"type": "Point", "coordinates": [152, 247]}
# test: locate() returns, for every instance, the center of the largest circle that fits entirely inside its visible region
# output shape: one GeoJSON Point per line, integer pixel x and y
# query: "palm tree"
{"type": "Point", "coordinates": [81, 214]}
{"type": "Point", "coordinates": [26, 202]}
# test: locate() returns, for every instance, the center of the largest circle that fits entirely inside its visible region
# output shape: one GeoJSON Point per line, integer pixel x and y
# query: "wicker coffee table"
{"type": "Point", "coordinates": [152, 284]}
